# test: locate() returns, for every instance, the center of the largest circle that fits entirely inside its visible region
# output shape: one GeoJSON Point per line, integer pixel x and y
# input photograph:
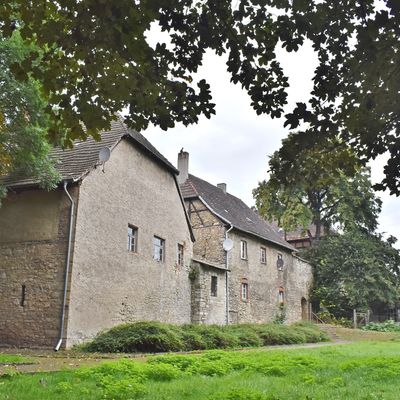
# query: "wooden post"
{"type": "Point", "coordinates": [355, 319]}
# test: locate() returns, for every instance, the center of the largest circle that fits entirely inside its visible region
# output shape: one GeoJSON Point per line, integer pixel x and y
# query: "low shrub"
{"type": "Point", "coordinates": [212, 337]}
{"type": "Point", "coordinates": [145, 337]}
{"type": "Point", "coordinates": [387, 326]}
{"type": "Point", "coordinates": [156, 337]}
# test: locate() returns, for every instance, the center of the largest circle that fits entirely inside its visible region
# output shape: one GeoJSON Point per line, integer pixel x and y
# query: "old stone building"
{"type": "Point", "coordinates": [127, 245]}
{"type": "Point", "coordinates": [115, 243]}
{"type": "Point", "coordinates": [259, 279]}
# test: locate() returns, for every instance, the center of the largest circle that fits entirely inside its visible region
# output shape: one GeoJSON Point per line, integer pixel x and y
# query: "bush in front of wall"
{"type": "Point", "coordinates": [157, 337]}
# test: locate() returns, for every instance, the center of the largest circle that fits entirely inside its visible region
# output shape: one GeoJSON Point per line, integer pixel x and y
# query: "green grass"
{"type": "Point", "coordinates": [13, 359]}
{"type": "Point", "coordinates": [367, 371]}
{"type": "Point", "coordinates": [156, 337]}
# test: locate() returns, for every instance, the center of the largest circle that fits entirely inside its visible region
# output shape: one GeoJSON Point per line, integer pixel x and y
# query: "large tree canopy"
{"type": "Point", "coordinates": [324, 186]}
{"type": "Point", "coordinates": [23, 136]}
{"type": "Point", "coordinates": [96, 60]}
{"type": "Point", "coordinates": [355, 270]}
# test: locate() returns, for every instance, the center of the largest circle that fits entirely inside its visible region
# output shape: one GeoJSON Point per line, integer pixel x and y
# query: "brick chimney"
{"type": "Point", "coordinates": [222, 186]}
{"type": "Point", "coordinates": [183, 166]}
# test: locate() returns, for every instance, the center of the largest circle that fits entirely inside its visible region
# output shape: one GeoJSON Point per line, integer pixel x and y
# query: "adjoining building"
{"type": "Point", "coordinates": [255, 281]}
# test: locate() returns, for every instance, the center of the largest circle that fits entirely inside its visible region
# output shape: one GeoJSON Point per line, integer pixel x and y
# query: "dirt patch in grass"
{"type": "Point", "coordinates": [357, 335]}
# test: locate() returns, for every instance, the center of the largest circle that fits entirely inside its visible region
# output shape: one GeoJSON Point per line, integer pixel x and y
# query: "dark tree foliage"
{"type": "Point", "coordinates": [96, 61]}
{"type": "Point", "coordinates": [355, 270]}
{"type": "Point", "coordinates": [324, 186]}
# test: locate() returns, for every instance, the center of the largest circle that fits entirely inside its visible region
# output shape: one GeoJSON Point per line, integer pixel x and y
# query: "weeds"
{"type": "Point", "coordinates": [360, 372]}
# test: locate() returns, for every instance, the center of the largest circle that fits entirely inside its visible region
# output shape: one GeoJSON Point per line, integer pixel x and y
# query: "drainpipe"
{"type": "Point", "coordinates": [226, 279]}
{"type": "Point", "coordinates": [71, 219]}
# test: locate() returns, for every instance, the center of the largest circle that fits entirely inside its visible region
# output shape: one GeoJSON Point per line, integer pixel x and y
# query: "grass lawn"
{"type": "Point", "coordinates": [13, 359]}
{"type": "Point", "coordinates": [367, 370]}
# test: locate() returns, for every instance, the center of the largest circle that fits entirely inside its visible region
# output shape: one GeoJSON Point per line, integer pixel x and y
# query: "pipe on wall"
{"type": "Point", "coordinates": [67, 266]}
{"type": "Point", "coordinates": [226, 279]}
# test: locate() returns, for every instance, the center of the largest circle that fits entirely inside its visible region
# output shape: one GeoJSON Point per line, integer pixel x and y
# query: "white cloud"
{"type": "Point", "coordinates": [233, 146]}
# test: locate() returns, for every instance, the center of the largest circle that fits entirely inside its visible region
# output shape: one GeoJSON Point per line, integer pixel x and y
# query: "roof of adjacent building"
{"type": "Point", "coordinates": [75, 163]}
{"type": "Point", "coordinates": [232, 210]}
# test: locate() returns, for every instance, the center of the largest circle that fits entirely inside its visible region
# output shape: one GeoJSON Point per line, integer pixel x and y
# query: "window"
{"type": "Point", "coordinates": [243, 250]}
{"type": "Point", "coordinates": [244, 291]}
{"type": "Point", "coordinates": [180, 254]}
{"type": "Point", "coordinates": [263, 255]}
{"type": "Point", "coordinates": [279, 262]}
{"type": "Point", "coordinates": [214, 286]}
{"type": "Point", "coordinates": [281, 295]}
{"type": "Point", "coordinates": [158, 249]}
{"type": "Point", "coordinates": [23, 296]}
{"type": "Point", "coordinates": [132, 238]}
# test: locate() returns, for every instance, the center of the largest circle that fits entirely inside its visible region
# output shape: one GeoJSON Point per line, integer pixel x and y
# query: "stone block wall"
{"type": "Point", "coordinates": [33, 248]}
{"type": "Point", "coordinates": [207, 308]}
{"type": "Point", "coordinates": [265, 281]}
{"type": "Point", "coordinates": [209, 233]}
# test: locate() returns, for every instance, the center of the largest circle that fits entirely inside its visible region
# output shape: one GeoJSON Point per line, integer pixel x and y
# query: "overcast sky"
{"type": "Point", "coordinates": [233, 146]}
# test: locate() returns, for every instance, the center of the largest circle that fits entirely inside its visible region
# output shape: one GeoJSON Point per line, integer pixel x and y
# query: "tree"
{"type": "Point", "coordinates": [324, 186]}
{"type": "Point", "coordinates": [355, 270]}
{"type": "Point", "coordinates": [96, 61]}
{"type": "Point", "coordinates": [24, 149]}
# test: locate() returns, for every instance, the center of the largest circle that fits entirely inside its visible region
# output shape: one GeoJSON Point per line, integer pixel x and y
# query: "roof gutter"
{"type": "Point", "coordinates": [227, 279]}
{"type": "Point", "coordinates": [67, 266]}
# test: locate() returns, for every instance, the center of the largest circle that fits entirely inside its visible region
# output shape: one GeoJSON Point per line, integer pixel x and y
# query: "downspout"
{"type": "Point", "coordinates": [67, 266]}
{"type": "Point", "coordinates": [226, 279]}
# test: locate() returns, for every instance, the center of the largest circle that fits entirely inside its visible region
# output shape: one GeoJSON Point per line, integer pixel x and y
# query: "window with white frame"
{"type": "Point", "coordinates": [158, 249]}
{"type": "Point", "coordinates": [263, 255]}
{"type": "Point", "coordinates": [180, 254]}
{"type": "Point", "coordinates": [243, 250]}
{"type": "Point", "coordinates": [214, 286]}
{"type": "Point", "coordinates": [244, 290]}
{"type": "Point", "coordinates": [132, 238]}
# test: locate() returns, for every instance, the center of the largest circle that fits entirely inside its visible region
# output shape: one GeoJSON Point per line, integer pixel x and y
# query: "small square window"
{"type": "Point", "coordinates": [243, 250]}
{"type": "Point", "coordinates": [132, 238]}
{"type": "Point", "coordinates": [158, 249]}
{"type": "Point", "coordinates": [214, 286]}
{"type": "Point", "coordinates": [180, 254]}
{"type": "Point", "coordinates": [263, 255]}
{"type": "Point", "coordinates": [244, 291]}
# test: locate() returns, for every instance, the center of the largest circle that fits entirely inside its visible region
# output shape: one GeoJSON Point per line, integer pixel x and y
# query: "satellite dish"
{"type": "Point", "coordinates": [104, 154]}
{"type": "Point", "coordinates": [228, 244]}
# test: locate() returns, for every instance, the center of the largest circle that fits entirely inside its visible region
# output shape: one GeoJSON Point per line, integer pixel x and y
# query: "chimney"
{"type": "Point", "coordinates": [183, 166]}
{"type": "Point", "coordinates": [222, 186]}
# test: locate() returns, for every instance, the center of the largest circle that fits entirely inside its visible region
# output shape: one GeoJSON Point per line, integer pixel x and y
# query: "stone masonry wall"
{"type": "Point", "coordinates": [209, 233]}
{"type": "Point", "coordinates": [206, 308]}
{"type": "Point", "coordinates": [33, 248]}
{"type": "Point", "coordinates": [298, 285]}
{"type": "Point", "coordinates": [111, 285]}
{"type": "Point", "coordinates": [264, 281]}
